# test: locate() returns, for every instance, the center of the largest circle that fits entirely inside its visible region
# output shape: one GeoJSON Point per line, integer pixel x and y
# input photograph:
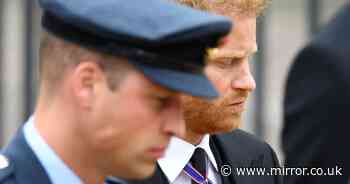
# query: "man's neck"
{"type": "Point", "coordinates": [51, 128]}
{"type": "Point", "coordinates": [193, 137]}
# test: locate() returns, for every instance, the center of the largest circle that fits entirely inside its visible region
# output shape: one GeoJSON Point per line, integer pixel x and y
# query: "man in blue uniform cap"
{"type": "Point", "coordinates": [111, 72]}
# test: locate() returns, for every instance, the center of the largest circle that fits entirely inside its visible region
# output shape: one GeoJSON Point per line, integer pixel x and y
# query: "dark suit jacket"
{"type": "Point", "coordinates": [237, 149]}
{"type": "Point", "coordinates": [317, 105]}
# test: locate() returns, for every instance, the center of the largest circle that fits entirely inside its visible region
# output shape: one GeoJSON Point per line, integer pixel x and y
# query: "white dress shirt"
{"type": "Point", "coordinates": [179, 153]}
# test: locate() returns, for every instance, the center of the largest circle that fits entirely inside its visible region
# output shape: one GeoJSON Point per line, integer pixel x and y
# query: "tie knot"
{"type": "Point", "coordinates": [199, 161]}
{"type": "Point", "coordinates": [198, 153]}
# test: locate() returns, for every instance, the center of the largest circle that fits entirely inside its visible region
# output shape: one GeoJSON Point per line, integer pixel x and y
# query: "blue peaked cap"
{"type": "Point", "coordinates": [164, 40]}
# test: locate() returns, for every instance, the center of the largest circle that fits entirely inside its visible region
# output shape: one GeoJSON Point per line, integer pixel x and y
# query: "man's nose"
{"type": "Point", "coordinates": [244, 79]}
{"type": "Point", "coordinates": [174, 123]}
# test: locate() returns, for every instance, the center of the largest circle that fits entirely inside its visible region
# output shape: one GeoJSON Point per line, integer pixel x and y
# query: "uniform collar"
{"type": "Point", "coordinates": [179, 153]}
{"type": "Point", "coordinates": [56, 169]}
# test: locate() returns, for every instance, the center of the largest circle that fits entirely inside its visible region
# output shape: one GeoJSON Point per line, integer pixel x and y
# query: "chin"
{"type": "Point", "coordinates": [212, 123]}
{"type": "Point", "coordinates": [141, 171]}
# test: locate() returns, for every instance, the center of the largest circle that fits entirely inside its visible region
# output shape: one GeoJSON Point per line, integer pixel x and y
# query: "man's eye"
{"type": "Point", "coordinates": [160, 103]}
{"type": "Point", "coordinates": [224, 63]}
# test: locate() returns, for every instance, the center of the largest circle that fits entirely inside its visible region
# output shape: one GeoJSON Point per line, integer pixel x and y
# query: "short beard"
{"type": "Point", "coordinates": [209, 117]}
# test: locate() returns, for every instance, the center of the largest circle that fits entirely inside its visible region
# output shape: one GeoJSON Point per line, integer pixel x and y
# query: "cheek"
{"type": "Point", "coordinates": [222, 85]}
{"type": "Point", "coordinates": [138, 121]}
{"type": "Point", "coordinates": [122, 122]}
{"type": "Point", "coordinates": [220, 79]}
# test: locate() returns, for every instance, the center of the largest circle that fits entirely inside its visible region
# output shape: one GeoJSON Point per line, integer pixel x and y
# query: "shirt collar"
{"type": "Point", "coordinates": [56, 169]}
{"type": "Point", "coordinates": [179, 153]}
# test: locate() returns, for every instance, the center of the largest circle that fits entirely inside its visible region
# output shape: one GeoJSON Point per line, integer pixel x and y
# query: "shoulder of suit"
{"type": "Point", "coordinates": [251, 142]}
{"type": "Point", "coordinates": [332, 40]}
{"type": "Point", "coordinates": [328, 57]}
{"type": "Point", "coordinates": [6, 168]}
{"type": "Point", "coordinates": [242, 146]}
{"type": "Point", "coordinates": [336, 29]}
{"type": "Point", "coordinates": [245, 137]}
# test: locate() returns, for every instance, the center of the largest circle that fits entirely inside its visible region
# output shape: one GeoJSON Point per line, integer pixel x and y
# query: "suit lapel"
{"type": "Point", "coordinates": [229, 148]}
{"type": "Point", "coordinates": [28, 169]}
{"type": "Point", "coordinates": [221, 160]}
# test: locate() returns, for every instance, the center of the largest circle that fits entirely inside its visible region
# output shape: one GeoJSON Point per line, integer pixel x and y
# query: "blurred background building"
{"type": "Point", "coordinates": [282, 31]}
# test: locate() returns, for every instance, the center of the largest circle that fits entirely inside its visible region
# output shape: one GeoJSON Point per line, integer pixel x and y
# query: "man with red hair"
{"type": "Point", "coordinates": [213, 148]}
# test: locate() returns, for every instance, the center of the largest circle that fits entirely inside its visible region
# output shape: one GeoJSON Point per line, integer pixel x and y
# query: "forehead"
{"type": "Point", "coordinates": [241, 7]}
{"type": "Point", "coordinates": [241, 42]}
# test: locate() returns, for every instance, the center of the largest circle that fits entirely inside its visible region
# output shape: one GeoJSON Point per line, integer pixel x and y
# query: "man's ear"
{"type": "Point", "coordinates": [85, 79]}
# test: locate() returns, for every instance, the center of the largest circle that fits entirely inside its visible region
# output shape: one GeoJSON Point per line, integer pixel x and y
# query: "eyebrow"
{"type": "Point", "coordinates": [251, 51]}
{"type": "Point", "coordinates": [237, 54]}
